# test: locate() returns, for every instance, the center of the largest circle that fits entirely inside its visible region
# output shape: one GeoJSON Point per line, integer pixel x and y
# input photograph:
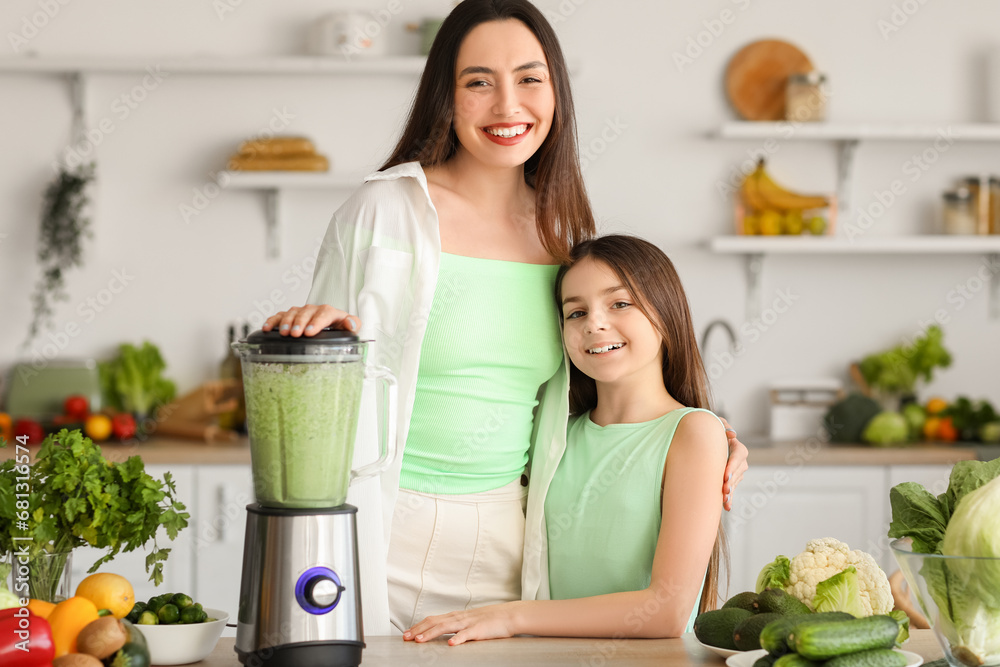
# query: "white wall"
{"type": "Point", "coordinates": [657, 178]}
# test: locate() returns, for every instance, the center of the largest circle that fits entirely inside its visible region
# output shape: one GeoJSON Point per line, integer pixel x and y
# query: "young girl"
{"type": "Point", "coordinates": [633, 513]}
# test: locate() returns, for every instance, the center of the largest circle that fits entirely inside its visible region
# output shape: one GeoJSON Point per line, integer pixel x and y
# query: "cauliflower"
{"type": "Point", "coordinates": [828, 557]}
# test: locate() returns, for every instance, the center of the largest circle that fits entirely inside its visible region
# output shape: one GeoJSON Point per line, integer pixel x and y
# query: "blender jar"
{"type": "Point", "coordinates": [303, 399]}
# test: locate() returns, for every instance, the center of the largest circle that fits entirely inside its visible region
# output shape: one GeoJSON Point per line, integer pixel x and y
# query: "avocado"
{"type": "Point", "coordinates": [716, 627]}
{"type": "Point", "coordinates": [746, 636]}
{"type": "Point", "coordinates": [741, 601]}
{"type": "Point", "coordinates": [777, 601]}
{"type": "Point", "coordinates": [765, 661]}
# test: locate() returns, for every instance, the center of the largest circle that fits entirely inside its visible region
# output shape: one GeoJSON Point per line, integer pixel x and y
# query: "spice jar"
{"type": "Point", "coordinates": [805, 97]}
{"type": "Point", "coordinates": [994, 198]}
{"type": "Point", "coordinates": [960, 215]}
{"type": "Point", "coordinates": [979, 190]}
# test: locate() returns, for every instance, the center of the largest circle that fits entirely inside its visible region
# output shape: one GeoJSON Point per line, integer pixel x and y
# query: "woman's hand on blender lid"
{"type": "Point", "coordinates": [309, 320]}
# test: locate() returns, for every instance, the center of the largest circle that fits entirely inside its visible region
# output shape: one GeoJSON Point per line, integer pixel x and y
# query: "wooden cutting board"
{"type": "Point", "coordinates": [756, 77]}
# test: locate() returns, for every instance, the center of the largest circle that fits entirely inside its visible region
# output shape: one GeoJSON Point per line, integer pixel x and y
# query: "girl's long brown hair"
{"type": "Point", "coordinates": [562, 210]}
{"type": "Point", "coordinates": [650, 278]}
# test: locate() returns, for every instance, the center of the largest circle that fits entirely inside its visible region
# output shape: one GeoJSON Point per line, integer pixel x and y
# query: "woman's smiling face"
{"type": "Point", "coordinates": [504, 98]}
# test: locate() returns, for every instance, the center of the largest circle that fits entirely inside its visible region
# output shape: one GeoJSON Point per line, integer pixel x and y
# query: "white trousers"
{"type": "Point", "coordinates": [454, 552]}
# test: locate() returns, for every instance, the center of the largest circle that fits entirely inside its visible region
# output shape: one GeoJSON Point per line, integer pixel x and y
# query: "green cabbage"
{"type": "Point", "coordinates": [841, 592]}
{"type": "Point", "coordinates": [775, 574]}
{"type": "Point", "coordinates": [887, 428]}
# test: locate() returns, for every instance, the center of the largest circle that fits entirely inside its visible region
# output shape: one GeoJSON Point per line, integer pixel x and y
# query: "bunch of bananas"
{"type": "Point", "coordinates": [771, 210]}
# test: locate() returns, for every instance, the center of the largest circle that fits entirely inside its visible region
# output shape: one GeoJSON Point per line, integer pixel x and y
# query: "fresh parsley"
{"type": "Point", "coordinates": [77, 497]}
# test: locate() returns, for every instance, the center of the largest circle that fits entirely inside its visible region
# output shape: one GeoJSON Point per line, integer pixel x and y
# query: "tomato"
{"type": "Point", "coordinates": [947, 430]}
{"type": "Point", "coordinates": [31, 429]}
{"type": "Point", "coordinates": [97, 427]}
{"type": "Point", "coordinates": [6, 427]}
{"type": "Point", "coordinates": [123, 425]}
{"type": "Point", "coordinates": [76, 407]}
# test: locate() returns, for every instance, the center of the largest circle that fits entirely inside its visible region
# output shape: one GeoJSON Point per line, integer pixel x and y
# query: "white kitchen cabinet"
{"type": "Point", "coordinates": [777, 509]}
{"type": "Point", "coordinates": [223, 492]}
{"type": "Point", "coordinates": [178, 569]}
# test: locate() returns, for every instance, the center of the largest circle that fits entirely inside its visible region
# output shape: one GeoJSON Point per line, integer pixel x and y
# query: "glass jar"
{"type": "Point", "coordinates": [979, 190]}
{"type": "Point", "coordinates": [994, 226]}
{"type": "Point", "coordinates": [805, 97]}
{"type": "Point", "coordinates": [960, 215]}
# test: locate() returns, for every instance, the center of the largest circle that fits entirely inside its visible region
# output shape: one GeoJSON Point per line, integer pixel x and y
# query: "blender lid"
{"type": "Point", "coordinates": [272, 342]}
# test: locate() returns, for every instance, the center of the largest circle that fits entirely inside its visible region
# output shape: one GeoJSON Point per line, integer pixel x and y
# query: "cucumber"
{"type": "Point", "coordinates": [765, 661]}
{"type": "Point", "coordinates": [794, 660]}
{"type": "Point", "coordinates": [741, 601]}
{"type": "Point", "coordinates": [822, 641]}
{"type": "Point", "coordinates": [876, 657]}
{"type": "Point", "coordinates": [716, 627]}
{"type": "Point", "coordinates": [746, 636]}
{"type": "Point", "coordinates": [777, 601]}
{"type": "Point", "coordinates": [774, 636]}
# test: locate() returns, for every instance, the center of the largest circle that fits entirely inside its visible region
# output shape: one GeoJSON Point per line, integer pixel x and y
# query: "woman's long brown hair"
{"type": "Point", "coordinates": [562, 209]}
{"type": "Point", "coordinates": [650, 278]}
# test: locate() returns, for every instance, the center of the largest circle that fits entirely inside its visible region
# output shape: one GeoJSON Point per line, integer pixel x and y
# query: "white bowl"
{"type": "Point", "coordinates": [184, 642]}
{"type": "Point", "coordinates": [721, 652]}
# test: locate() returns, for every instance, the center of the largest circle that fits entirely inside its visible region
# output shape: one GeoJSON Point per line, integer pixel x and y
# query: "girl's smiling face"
{"type": "Point", "coordinates": [504, 98]}
{"type": "Point", "coordinates": [607, 335]}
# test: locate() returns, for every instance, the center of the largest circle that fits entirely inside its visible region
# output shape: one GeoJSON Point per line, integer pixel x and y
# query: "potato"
{"type": "Point", "coordinates": [76, 660]}
{"type": "Point", "coordinates": [102, 638]}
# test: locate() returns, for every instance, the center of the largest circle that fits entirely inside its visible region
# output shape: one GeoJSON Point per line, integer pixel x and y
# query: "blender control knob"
{"type": "Point", "coordinates": [318, 590]}
{"type": "Point", "coordinates": [324, 592]}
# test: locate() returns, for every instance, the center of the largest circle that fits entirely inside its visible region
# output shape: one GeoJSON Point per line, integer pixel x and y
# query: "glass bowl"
{"type": "Point", "coordinates": [960, 596]}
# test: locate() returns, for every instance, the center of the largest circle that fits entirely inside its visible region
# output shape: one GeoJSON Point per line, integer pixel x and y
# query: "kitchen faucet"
{"type": "Point", "coordinates": [704, 348]}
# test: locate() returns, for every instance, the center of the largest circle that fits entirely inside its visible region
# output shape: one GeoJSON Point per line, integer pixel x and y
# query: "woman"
{"type": "Point", "coordinates": [478, 204]}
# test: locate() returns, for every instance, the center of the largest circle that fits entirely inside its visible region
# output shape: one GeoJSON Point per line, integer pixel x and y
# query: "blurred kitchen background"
{"type": "Point", "coordinates": [175, 259]}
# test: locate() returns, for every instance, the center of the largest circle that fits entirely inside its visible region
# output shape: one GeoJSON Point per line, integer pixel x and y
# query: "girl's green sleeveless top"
{"type": "Point", "coordinates": [603, 509]}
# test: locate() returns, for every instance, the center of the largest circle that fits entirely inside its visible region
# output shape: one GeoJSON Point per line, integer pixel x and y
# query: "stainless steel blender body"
{"type": "Point", "coordinates": [300, 600]}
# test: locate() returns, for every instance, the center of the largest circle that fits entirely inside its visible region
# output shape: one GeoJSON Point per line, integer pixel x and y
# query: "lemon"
{"type": "Point", "coordinates": [770, 223]}
{"type": "Point", "coordinates": [751, 225]}
{"type": "Point", "coordinates": [816, 225]}
{"type": "Point", "coordinates": [794, 224]}
{"type": "Point", "coordinates": [108, 591]}
{"type": "Point", "coordinates": [97, 427]}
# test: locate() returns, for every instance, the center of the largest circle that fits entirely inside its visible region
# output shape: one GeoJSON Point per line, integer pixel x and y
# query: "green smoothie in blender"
{"type": "Point", "coordinates": [302, 420]}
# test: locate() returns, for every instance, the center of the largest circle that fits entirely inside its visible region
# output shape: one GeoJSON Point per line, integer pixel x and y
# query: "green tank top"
{"type": "Point", "coordinates": [492, 340]}
{"type": "Point", "coordinates": [603, 508]}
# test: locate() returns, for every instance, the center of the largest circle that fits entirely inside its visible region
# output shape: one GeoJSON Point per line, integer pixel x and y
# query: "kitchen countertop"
{"type": "Point", "coordinates": [165, 451]}
{"type": "Point", "coordinates": [547, 651]}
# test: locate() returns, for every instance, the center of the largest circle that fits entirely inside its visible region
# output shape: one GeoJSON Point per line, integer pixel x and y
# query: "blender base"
{"type": "Point", "coordinates": [305, 654]}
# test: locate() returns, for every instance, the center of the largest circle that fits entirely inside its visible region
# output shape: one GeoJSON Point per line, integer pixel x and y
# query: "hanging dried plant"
{"type": "Point", "coordinates": [60, 241]}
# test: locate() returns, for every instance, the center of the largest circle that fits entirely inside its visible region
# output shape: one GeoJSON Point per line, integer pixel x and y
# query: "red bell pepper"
{"type": "Point", "coordinates": [25, 639]}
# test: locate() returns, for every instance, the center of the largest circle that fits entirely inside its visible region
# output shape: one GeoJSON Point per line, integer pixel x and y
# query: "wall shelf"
{"type": "Point", "coordinates": [848, 136]}
{"type": "Point", "coordinates": [77, 71]}
{"type": "Point", "coordinates": [228, 65]}
{"type": "Point", "coordinates": [274, 183]}
{"type": "Point", "coordinates": [757, 247]}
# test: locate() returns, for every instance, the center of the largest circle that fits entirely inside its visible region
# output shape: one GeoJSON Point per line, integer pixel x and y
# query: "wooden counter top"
{"type": "Point", "coordinates": [547, 652]}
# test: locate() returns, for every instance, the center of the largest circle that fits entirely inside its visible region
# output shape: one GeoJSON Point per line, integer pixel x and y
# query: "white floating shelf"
{"type": "Point", "coordinates": [788, 131]}
{"type": "Point", "coordinates": [820, 245]}
{"type": "Point", "coordinates": [274, 183]}
{"type": "Point", "coordinates": [755, 248]}
{"type": "Point", "coordinates": [288, 180]}
{"type": "Point", "coordinates": [214, 65]}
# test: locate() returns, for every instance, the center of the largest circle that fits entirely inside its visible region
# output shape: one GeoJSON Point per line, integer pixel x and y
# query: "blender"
{"type": "Point", "coordinates": [300, 599]}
